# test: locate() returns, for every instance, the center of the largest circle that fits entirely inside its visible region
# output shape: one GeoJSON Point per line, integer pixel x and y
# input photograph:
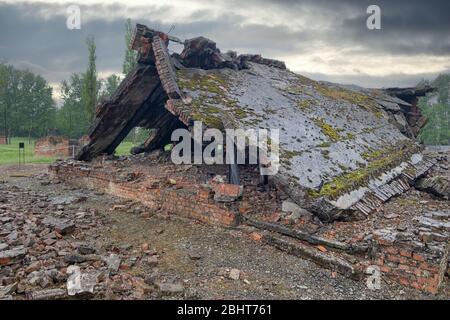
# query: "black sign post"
{"type": "Point", "coordinates": [21, 152]}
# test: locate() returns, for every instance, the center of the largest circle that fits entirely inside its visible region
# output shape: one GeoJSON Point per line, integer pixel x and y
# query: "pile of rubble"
{"type": "Point", "coordinates": [409, 245]}
{"type": "Point", "coordinates": [44, 254]}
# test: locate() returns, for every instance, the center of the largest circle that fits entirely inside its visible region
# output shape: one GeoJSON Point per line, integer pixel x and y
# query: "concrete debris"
{"type": "Point", "coordinates": [62, 226]}
{"type": "Point", "coordinates": [234, 274]}
{"type": "Point", "coordinates": [414, 237]}
{"type": "Point", "coordinates": [8, 290]}
{"type": "Point", "coordinates": [294, 211]}
{"type": "Point", "coordinates": [80, 283]}
{"type": "Point", "coordinates": [170, 288]}
{"type": "Point", "coordinates": [364, 183]}
{"type": "Point", "coordinates": [113, 262]}
{"type": "Point", "coordinates": [437, 185]}
{"type": "Point", "coordinates": [201, 84]}
{"type": "Point", "coordinates": [74, 258]}
{"type": "Point", "coordinates": [12, 256]}
{"type": "Point", "coordinates": [49, 294]}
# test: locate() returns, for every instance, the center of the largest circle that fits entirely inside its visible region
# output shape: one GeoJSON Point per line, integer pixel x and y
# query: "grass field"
{"type": "Point", "coordinates": [9, 154]}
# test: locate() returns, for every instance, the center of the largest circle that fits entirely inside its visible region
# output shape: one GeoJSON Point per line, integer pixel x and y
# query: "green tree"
{"type": "Point", "coordinates": [35, 105]}
{"type": "Point", "coordinates": [90, 82]}
{"type": "Point", "coordinates": [27, 107]}
{"type": "Point", "coordinates": [9, 84]}
{"type": "Point", "coordinates": [436, 107]}
{"type": "Point", "coordinates": [71, 119]}
{"type": "Point", "coordinates": [130, 55]}
{"type": "Point", "coordinates": [109, 86]}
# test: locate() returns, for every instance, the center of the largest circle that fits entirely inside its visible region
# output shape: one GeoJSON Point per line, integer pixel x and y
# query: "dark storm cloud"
{"type": "Point", "coordinates": [47, 46]}
{"type": "Point", "coordinates": [27, 38]}
{"type": "Point", "coordinates": [421, 27]}
{"type": "Point", "coordinates": [32, 38]}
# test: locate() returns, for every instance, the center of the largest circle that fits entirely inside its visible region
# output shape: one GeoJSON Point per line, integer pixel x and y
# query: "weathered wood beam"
{"type": "Point", "coordinates": [304, 236]}
{"type": "Point", "coordinates": [163, 124]}
{"type": "Point", "coordinates": [138, 93]}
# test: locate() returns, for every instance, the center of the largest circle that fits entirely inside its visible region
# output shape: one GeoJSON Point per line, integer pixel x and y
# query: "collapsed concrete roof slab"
{"type": "Point", "coordinates": [342, 148]}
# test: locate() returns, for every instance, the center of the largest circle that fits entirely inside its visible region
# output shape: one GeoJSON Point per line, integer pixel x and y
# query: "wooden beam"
{"type": "Point", "coordinates": [137, 95]}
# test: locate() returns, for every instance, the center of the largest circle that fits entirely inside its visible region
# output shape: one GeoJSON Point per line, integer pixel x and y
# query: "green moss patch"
{"type": "Point", "coordinates": [349, 181]}
{"type": "Point", "coordinates": [328, 130]}
{"type": "Point", "coordinates": [362, 100]}
{"type": "Point", "coordinates": [212, 101]}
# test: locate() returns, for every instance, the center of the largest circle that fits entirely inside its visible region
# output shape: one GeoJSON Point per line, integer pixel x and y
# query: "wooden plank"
{"type": "Point", "coordinates": [114, 119]}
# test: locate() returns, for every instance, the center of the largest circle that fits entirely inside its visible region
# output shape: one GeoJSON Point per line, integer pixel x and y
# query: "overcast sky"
{"type": "Point", "coordinates": [325, 40]}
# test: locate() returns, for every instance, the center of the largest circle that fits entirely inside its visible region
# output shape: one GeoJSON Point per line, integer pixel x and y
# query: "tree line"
{"type": "Point", "coordinates": [26, 103]}
{"type": "Point", "coordinates": [436, 107]}
{"type": "Point", "coordinates": [27, 107]}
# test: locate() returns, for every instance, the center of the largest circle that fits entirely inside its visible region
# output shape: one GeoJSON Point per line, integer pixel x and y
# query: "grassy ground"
{"type": "Point", "coordinates": [9, 154]}
{"type": "Point", "coordinates": [124, 148]}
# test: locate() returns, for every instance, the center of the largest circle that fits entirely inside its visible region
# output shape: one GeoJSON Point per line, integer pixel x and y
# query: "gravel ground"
{"type": "Point", "coordinates": [162, 257]}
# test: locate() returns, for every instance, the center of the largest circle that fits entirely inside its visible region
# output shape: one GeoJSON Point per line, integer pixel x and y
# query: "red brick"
{"type": "Point", "coordinates": [418, 257]}
{"type": "Point", "coordinates": [397, 259]}
{"type": "Point", "coordinates": [404, 281]}
{"type": "Point", "coordinates": [386, 269]}
{"type": "Point", "coordinates": [405, 253]}
{"type": "Point", "coordinates": [404, 267]}
{"type": "Point", "coordinates": [256, 236]}
{"type": "Point", "coordinates": [230, 190]}
{"type": "Point", "coordinates": [391, 250]}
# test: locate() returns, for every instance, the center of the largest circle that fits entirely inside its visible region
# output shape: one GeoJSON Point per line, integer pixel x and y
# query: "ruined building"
{"type": "Point", "coordinates": [344, 151]}
{"type": "Point", "coordinates": [340, 147]}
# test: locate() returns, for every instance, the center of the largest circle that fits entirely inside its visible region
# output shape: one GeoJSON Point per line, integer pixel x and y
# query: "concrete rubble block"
{"type": "Point", "coordinates": [15, 255]}
{"type": "Point", "coordinates": [5, 291]}
{"type": "Point", "coordinates": [235, 274]}
{"type": "Point", "coordinates": [85, 249]}
{"type": "Point", "coordinates": [81, 283]}
{"type": "Point", "coordinates": [73, 258]}
{"type": "Point", "coordinates": [224, 192]}
{"type": "Point", "coordinates": [438, 186]}
{"type": "Point", "coordinates": [62, 226]}
{"type": "Point", "coordinates": [294, 211]}
{"type": "Point", "coordinates": [49, 294]}
{"type": "Point", "coordinates": [170, 288]}
{"type": "Point", "coordinates": [112, 262]}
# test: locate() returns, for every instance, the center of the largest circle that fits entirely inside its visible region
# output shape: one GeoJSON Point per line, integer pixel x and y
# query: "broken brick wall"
{"type": "Point", "coordinates": [53, 146]}
{"type": "Point", "coordinates": [181, 197]}
{"type": "Point", "coordinates": [417, 259]}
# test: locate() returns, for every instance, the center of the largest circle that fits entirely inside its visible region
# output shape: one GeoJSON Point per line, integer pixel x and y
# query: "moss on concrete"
{"type": "Point", "coordinates": [212, 101]}
{"type": "Point", "coordinates": [328, 130]}
{"type": "Point", "coordinates": [305, 105]}
{"type": "Point", "coordinates": [349, 181]}
{"type": "Point", "coordinates": [357, 98]}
